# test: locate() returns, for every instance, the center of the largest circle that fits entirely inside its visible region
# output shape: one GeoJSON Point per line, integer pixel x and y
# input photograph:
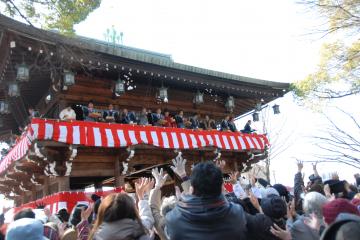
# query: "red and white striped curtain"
{"type": "Point", "coordinates": [110, 135]}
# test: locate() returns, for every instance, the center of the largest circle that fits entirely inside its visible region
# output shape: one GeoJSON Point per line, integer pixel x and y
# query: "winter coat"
{"type": "Point", "coordinates": [155, 204]}
{"type": "Point", "coordinates": [300, 231]}
{"type": "Point", "coordinates": [124, 229]}
{"type": "Point", "coordinates": [259, 226]}
{"type": "Point", "coordinates": [208, 218]}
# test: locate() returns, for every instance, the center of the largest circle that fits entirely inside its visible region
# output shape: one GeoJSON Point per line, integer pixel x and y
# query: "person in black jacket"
{"type": "Point", "coordinates": [224, 126]}
{"type": "Point", "coordinates": [206, 214]}
{"type": "Point", "coordinates": [274, 211]}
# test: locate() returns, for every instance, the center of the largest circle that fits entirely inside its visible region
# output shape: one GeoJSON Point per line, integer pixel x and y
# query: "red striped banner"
{"type": "Point", "coordinates": [109, 135]}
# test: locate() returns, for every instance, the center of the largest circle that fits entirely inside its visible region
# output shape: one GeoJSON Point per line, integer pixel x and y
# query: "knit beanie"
{"type": "Point", "coordinates": [274, 207]}
{"type": "Point", "coordinates": [332, 209]}
{"type": "Point", "coordinates": [269, 192]}
{"type": "Point", "coordinates": [282, 190]}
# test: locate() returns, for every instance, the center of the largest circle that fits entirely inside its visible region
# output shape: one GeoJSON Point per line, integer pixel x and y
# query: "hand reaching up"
{"type": "Point", "coordinates": [179, 167]}
{"type": "Point", "coordinates": [142, 186]}
{"type": "Point", "coordinates": [85, 213]}
{"type": "Point", "coordinates": [300, 165]}
{"type": "Point", "coordinates": [160, 177]}
{"type": "Point", "coordinates": [234, 177]}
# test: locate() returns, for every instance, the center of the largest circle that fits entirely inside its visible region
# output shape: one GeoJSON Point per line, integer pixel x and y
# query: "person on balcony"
{"type": "Point", "coordinates": [110, 115]}
{"type": "Point", "coordinates": [247, 128]}
{"type": "Point", "coordinates": [195, 122]}
{"type": "Point", "coordinates": [224, 126]}
{"type": "Point", "coordinates": [158, 118]}
{"type": "Point", "coordinates": [142, 118]}
{"type": "Point", "coordinates": [179, 119]}
{"type": "Point", "coordinates": [127, 117]}
{"type": "Point", "coordinates": [169, 121]}
{"type": "Point", "coordinates": [90, 113]}
{"type": "Point", "coordinates": [207, 123]}
{"type": "Point", "coordinates": [232, 125]}
{"type": "Point", "coordinates": [33, 113]}
{"type": "Point", "coordinates": [67, 114]}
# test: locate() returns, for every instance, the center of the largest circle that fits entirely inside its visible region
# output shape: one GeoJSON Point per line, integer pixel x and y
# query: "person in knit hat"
{"type": "Point", "coordinates": [332, 209]}
{"type": "Point", "coordinates": [274, 210]}
{"type": "Point", "coordinates": [283, 192]}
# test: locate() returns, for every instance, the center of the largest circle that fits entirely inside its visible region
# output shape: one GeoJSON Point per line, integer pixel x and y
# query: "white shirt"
{"type": "Point", "coordinates": [67, 114]}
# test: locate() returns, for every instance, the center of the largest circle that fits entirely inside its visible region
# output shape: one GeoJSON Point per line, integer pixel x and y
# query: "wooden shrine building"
{"type": "Point", "coordinates": [48, 72]}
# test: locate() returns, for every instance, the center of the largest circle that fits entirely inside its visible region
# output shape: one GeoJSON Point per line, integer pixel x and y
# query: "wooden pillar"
{"type": "Point", "coordinates": [64, 183]}
{"type": "Point", "coordinates": [46, 186]}
{"type": "Point", "coordinates": [33, 193]}
{"type": "Point", "coordinates": [119, 179]}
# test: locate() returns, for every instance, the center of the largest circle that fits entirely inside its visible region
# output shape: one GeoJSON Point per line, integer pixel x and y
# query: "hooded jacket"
{"type": "Point", "coordinates": [124, 229]}
{"type": "Point", "coordinates": [206, 218]}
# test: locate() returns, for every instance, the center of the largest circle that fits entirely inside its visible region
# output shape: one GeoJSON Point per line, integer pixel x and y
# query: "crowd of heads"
{"type": "Point", "coordinates": [209, 204]}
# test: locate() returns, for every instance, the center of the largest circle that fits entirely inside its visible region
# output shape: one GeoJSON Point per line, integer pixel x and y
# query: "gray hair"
{"type": "Point", "coordinates": [313, 202]}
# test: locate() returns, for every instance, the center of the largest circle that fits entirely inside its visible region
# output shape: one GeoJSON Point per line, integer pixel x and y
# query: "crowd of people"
{"type": "Point", "coordinates": [158, 118]}
{"type": "Point", "coordinates": [204, 209]}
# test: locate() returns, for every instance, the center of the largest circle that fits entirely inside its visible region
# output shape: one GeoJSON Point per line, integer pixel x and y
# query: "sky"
{"type": "Point", "coordinates": [270, 40]}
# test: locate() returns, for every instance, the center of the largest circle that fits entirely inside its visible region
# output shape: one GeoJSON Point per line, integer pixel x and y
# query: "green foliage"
{"type": "Point", "coordinates": [60, 15]}
{"type": "Point", "coordinates": [337, 74]}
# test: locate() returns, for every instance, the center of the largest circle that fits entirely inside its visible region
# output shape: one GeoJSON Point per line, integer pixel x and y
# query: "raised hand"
{"type": "Point", "coordinates": [300, 165]}
{"type": "Point", "coordinates": [160, 177]}
{"type": "Point", "coordinates": [85, 213]}
{"type": "Point", "coordinates": [179, 167]}
{"type": "Point", "coordinates": [142, 186]}
{"type": "Point", "coordinates": [314, 166]}
{"type": "Point", "coordinates": [234, 177]}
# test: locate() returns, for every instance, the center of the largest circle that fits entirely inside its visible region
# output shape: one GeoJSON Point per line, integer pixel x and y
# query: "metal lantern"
{"type": "Point", "coordinates": [48, 98]}
{"type": "Point", "coordinates": [119, 87]}
{"type": "Point", "coordinates": [163, 94]}
{"type": "Point", "coordinates": [23, 73]}
{"type": "Point", "coordinates": [199, 98]}
{"type": "Point", "coordinates": [276, 109]}
{"type": "Point", "coordinates": [255, 116]}
{"type": "Point", "coordinates": [258, 107]}
{"type": "Point", "coordinates": [230, 103]}
{"type": "Point", "coordinates": [4, 107]}
{"type": "Point", "coordinates": [69, 78]}
{"type": "Point", "coordinates": [14, 89]}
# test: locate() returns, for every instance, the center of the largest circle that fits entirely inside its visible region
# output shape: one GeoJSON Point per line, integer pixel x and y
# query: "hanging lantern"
{"type": "Point", "coordinates": [230, 104]}
{"type": "Point", "coordinates": [119, 87]}
{"type": "Point", "coordinates": [14, 89]}
{"type": "Point", "coordinates": [276, 109]}
{"type": "Point", "coordinates": [48, 98]}
{"type": "Point", "coordinates": [22, 73]}
{"type": "Point", "coordinates": [199, 98]}
{"type": "Point", "coordinates": [258, 107]}
{"type": "Point", "coordinates": [4, 107]}
{"type": "Point", "coordinates": [163, 94]}
{"type": "Point", "coordinates": [69, 78]}
{"type": "Point", "coordinates": [255, 116]}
